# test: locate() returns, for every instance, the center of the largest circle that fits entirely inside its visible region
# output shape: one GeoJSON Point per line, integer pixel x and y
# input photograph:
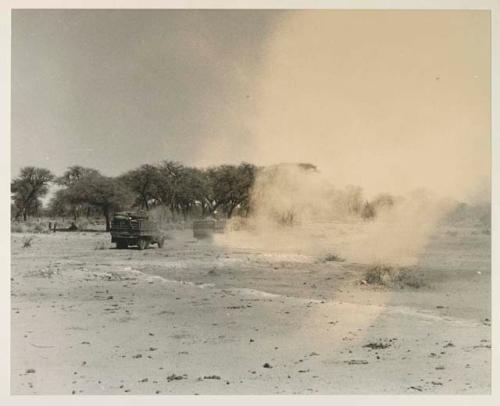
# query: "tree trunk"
{"type": "Point", "coordinates": [172, 210]}
{"type": "Point", "coordinates": [230, 212]}
{"type": "Point", "coordinates": [106, 215]}
{"type": "Point", "coordinates": [25, 215]}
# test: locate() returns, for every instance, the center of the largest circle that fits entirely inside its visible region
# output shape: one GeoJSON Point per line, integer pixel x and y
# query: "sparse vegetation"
{"type": "Point", "coordinates": [27, 241]}
{"type": "Point", "coordinates": [287, 219]}
{"type": "Point", "coordinates": [333, 258]}
{"type": "Point", "coordinates": [181, 190]}
{"type": "Point", "coordinates": [389, 276]}
{"type": "Point", "coordinates": [27, 189]}
{"type": "Point", "coordinates": [100, 245]}
{"type": "Point", "coordinates": [40, 228]}
{"type": "Point", "coordinates": [82, 224]}
{"type": "Point", "coordinates": [16, 228]}
{"type": "Point", "coordinates": [47, 272]}
{"type": "Point", "coordinates": [35, 227]}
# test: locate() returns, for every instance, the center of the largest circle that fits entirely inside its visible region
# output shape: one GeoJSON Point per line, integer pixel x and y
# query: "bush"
{"type": "Point", "coordinates": [386, 275]}
{"type": "Point", "coordinates": [82, 224]}
{"type": "Point", "coordinates": [40, 228]}
{"type": "Point", "coordinates": [100, 245]}
{"type": "Point", "coordinates": [27, 241]}
{"type": "Point", "coordinates": [16, 228]}
{"type": "Point", "coordinates": [333, 258]}
{"type": "Point", "coordinates": [29, 227]}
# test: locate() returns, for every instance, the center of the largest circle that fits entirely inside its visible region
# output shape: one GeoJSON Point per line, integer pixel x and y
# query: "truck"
{"type": "Point", "coordinates": [204, 229]}
{"type": "Point", "coordinates": [135, 228]}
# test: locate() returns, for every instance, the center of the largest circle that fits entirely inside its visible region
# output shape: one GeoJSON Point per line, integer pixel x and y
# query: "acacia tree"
{"type": "Point", "coordinates": [60, 204]}
{"type": "Point", "coordinates": [144, 183]}
{"type": "Point", "coordinates": [63, 202]}
{"type": "Point", "coordinates": [229, 187]}
{"type": "Point", "coordinates": [177, 187]}
{"type": "Point", "coordinates": [28, 188]}
{"type": "Point", "coordinates": [169, 184]}
{"type": "Point", "coordinates": [105, 193]}
{"type": "Point", "coordinates": [190, 189]}
{"type": "Point", "coordinates": [74, 174]}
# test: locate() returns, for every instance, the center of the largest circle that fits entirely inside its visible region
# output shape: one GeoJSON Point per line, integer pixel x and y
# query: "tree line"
{"type": "Point", "coordinates": [183, 190]}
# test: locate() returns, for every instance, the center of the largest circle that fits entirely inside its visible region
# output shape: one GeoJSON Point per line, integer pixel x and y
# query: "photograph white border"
{"type": "Point", "coordinates": [5, 177]}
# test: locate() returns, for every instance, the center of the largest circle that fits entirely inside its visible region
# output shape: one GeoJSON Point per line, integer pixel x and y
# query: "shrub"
{"type": "Point", "coordinates": [16, 228]}
{"type": "Point", "coordinates": [27, 241]}
{"type": "Point", "coordinates": [40, 228]}
{"type": "Point", "coordinates": [30, 227]}
{"type": "Point", "coordinates": [83, 224]}
{"type": "Point", "coordinates": [333, 258]}
{"type": "Point", "coordinates": [100, 245]}
{"type": "Point", "coordinates": [386, 275]}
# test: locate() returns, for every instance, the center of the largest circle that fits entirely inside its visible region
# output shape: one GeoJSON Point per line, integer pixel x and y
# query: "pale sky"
{"type": "Point", "coordinates": [116, 89]}
{"type": "Point", "coordinates": [389, 100]}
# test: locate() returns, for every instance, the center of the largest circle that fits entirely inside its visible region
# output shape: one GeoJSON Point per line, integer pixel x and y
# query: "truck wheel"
{"type": "Point", "coordinates": [161, 241]}
{"type": "Point", "coordinates": [120, 244]}
{"type": "Point", "coordinates": [141, 244]}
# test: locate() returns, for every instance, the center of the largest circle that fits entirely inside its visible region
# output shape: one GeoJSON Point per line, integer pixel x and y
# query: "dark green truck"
{"type": "Point", "coordinates": [135, 228]}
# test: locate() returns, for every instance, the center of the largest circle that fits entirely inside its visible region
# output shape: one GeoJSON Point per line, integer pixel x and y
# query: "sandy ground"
{"type": "Point", "coordinates": [194, 318]}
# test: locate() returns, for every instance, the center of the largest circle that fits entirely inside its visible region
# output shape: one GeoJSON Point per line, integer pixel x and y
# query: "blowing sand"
{"type": "Point", "coordinates": [197, 318]}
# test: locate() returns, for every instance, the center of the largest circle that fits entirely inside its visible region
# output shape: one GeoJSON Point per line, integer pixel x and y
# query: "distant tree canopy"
{"type": "Point", "coordinates": [229, 187]}
{"type": "Point", "coordinates": [184, 191]}
{"type": "Point", "coordinates": [92, 190]}
{"type": "Point", "coordinates": [143, 183]}
{"type": "Point", "coordinates": [180, 189]}
{"type": "Point", "coordinates": [105, 193]}
{"type": "Point", "coordinates": [28, 188]}
{"type": "Point", "coordinates": [74, 174]}
{"type": "Point", "coordinates": [64, 202]}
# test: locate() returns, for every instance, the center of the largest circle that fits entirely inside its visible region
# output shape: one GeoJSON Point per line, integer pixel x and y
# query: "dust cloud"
{"type": "Point", "coordinates": [297, 210]}
{"type": "Point", "coordinates": [373, 100]}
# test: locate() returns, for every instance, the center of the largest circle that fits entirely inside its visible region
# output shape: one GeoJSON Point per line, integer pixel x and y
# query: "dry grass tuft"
{"type": "Point", "coordinates": [35, 227]}
{"type": "Point", "coordinates": [389, 276]}
{"type": "Point", "coordinates": [40, 228]}
{"type": "Point", "coordinates": [333, 258]}
{"type": "Point", "coordinates": [27, 241]}
{"type": "Point", "coordinates": [100, 245]}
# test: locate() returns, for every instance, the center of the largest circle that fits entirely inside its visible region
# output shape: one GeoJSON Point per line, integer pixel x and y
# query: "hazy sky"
{"type": "Point", "coordinates": [390, 100]}
{"type": "Point", "coordinates": [115, 89]}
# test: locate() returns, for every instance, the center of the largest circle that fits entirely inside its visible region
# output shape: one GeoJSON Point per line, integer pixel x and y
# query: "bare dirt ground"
{"type": "Point", "coordinates": [196, 318]}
